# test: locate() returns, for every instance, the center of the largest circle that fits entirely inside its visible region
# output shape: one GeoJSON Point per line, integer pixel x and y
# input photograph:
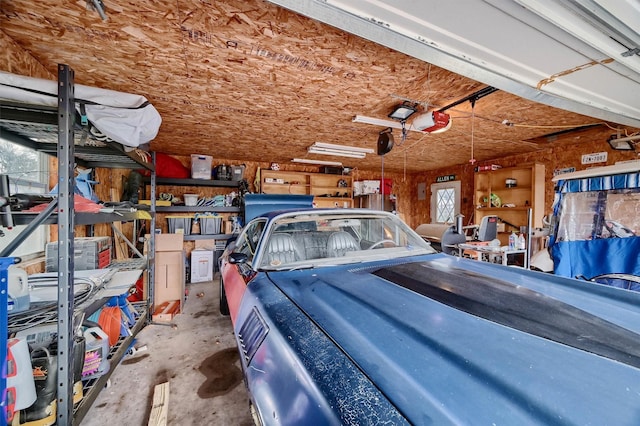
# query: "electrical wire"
{"type": "Point", "coordinates": [42, 312]}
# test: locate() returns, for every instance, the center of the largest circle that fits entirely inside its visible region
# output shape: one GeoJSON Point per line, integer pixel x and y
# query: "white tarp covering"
{"type": "Point", "coordinates": [123, 117]}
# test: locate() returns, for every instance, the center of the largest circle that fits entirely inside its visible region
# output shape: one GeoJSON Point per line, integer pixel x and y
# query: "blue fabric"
{"type": "Point", "coordinates": [600, 183]}
{"type": "Point", "coordinates": [619, 283]}
{"type": "Point", "coordinates": [596, 257]}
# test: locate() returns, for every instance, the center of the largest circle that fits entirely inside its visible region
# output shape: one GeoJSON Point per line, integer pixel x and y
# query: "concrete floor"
{"type": "Point", "coordinates": [199, 359]}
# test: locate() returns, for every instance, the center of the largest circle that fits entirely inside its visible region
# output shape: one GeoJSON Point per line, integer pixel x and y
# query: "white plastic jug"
{"type": "Point", "coordinates": [18, 299]}
{"type": "Point", "coordinates": [20, 381]}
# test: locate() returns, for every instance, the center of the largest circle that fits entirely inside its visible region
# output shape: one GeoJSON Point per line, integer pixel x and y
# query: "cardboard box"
{"type": "Point", "coordinates": [208, 244]}
{"type": "Point", "coordinates": [169, 242]}
{"type": "Point", "coordinates": [169, 277]}
{"type": "Point", "coordinates": [201, 265]}
{"type": "Point", "coordinates": [357, 188]}
{"type": "Point", "coordinates": [166, 311]}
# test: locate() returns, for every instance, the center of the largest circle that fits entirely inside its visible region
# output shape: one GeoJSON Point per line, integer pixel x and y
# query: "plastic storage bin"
{"type": "Point", "coordinates": [89, 253]}
{"type": "Point", "coordinates": [210, 224]}
{"type": "Point", "coordinates": [237, 173]}
{"type": "Point", "coordinates": [179, 224]}
{"type": "Point", "coordinates": [201, 166]}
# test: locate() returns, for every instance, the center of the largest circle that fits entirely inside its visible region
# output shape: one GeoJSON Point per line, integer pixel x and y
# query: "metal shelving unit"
{"type": "Point", "coordinates": [153, 183]}
{"type": "Point", "coordinates": [52, 130]}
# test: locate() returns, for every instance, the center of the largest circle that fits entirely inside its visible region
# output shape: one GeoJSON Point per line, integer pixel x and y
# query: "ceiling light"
{"type": "Point", "coordinates": [339, 153]}
{"type": "Point", "coordinates": [432, 122]}
{"type": "Point", "coordinates": [337, 147]}
{"type": "Point", "coordinates": [320, 162]}
{"type": "Point", "coordinates": [623, 144]}
{"type": "Point", "coordinates": [339, 150]}
{"type": "Point", "coordinates": [403, 111]}
{"type": "Point", "coordinates": [379, 122]}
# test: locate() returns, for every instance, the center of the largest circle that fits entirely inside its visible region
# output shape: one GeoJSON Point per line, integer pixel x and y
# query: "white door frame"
{"type": "Point", "coordinates": [455, 185]}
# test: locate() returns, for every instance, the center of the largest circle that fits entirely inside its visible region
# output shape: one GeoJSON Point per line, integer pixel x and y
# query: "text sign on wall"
{"type": "Point", "coordinates": [596, 157]}
{"type": "Point", "coordinates": [445, 178]}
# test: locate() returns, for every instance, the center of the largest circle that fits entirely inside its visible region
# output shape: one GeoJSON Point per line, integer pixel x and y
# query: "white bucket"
{"type": "Point", "coordinates": [190, 199]}
{"type": "Point", "coordinates": [18, 299]}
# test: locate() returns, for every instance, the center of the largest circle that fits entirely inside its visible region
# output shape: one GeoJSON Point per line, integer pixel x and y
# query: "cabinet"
{"type": "Point", "coordinates": [179, 187]}
{"type": "Point", "coordinates": [329, 190]}
{"type": "Point", "coordinates": [509, 193]}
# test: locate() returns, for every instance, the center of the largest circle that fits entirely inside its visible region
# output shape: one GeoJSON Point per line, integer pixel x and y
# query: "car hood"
{"type": "Point", "coordinates": [447, 341]}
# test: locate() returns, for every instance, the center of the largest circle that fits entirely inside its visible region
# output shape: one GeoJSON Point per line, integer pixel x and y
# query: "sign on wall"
{"type": "Point", "coordinates": [445, 178]}
{"type": "Point", "coordinates": [596, 157]}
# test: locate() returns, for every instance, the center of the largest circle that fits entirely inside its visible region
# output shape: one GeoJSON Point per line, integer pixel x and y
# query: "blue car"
{"type": "Point", "coordinates": [347, 316]}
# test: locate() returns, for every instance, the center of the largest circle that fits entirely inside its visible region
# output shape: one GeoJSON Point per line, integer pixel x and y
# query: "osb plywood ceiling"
{"type": "Point", "coordinates": [250, 81]}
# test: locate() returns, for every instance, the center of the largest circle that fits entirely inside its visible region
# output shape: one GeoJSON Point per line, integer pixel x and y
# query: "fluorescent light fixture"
{"type": "Point", "coordinates": [336, 147]}
{"type": "Point", "coordinates": [321, 162]}
{"type": "Point", "coordinates": [339, 150]}
{"type": "Point", "coordinates": [403, 111]}
{"type": "Point", "coordinates": [623, 144]}
{"type": "Point", "coordinates": [382, 123]}
{"type": "Point", "coordinates": [336, 152]}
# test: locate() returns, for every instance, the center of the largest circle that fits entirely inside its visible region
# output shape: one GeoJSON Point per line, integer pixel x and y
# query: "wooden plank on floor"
{"type": "Point", "coordinates": [160, 407]}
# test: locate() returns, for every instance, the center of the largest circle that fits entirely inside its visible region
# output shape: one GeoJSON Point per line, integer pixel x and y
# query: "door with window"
{"type": "Point", "coordinates": [445, 201]}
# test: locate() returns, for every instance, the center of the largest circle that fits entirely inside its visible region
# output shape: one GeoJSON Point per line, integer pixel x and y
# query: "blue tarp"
{"type": "Point", "coordinates": [595, 257]}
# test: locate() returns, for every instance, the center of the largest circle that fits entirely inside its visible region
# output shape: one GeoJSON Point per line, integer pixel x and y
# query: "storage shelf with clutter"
{"type": "Point", "coordinates": [328, 189]}
{"type": "Point", "coordinates": [510, 193]}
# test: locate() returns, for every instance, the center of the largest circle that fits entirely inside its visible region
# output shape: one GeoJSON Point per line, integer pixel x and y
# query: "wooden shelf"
{"type": "Point", "coordinates": [322, 186]}
{"type": "Point", "coordinates": [527, 194]}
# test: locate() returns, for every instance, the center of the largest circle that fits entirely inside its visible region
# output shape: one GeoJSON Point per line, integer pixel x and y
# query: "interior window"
{"type": "Point", "coordinates": [27, 170]}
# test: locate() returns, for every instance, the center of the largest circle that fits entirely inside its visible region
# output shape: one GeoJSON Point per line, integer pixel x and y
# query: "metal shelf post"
{"type": "Point", "coordinates": [66, 115]}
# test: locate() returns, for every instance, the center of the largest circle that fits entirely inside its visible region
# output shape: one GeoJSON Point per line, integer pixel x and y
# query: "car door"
{"type": "Point", "coordinates": [236, 268]}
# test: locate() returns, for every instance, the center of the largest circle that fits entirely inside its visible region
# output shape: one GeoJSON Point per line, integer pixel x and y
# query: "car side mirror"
{"type": "Point", "coordinates": [237, 258]}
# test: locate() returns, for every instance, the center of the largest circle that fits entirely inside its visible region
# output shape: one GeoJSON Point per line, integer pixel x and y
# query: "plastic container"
{"type": "Point", "coordinates": [201, 166]}
{"type": "Point", "coordinates": [20, 383]}
{"type": "Point", "coordinates": [522, 243]}
{"type": "Point", "coordinates": [18, 299]}
{"type": "Point", "coordinates": [513, 241]}
{"type": "Point", "coordinates": [210, 224]}
{"type": "Point", "coordinates": [89, 253]}
{"type": "Point", "coordinates": [190, 199]}
{"type": "Point", "coordinates": [96, 353]}
{"type": "Point", "coordinates": [237, 173]}
{"type": "Point", "coordinates": [179, 224]}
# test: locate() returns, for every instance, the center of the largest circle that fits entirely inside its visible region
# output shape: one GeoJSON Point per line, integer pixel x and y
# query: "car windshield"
{"type": "Point", "coordinates": [329, 238]}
